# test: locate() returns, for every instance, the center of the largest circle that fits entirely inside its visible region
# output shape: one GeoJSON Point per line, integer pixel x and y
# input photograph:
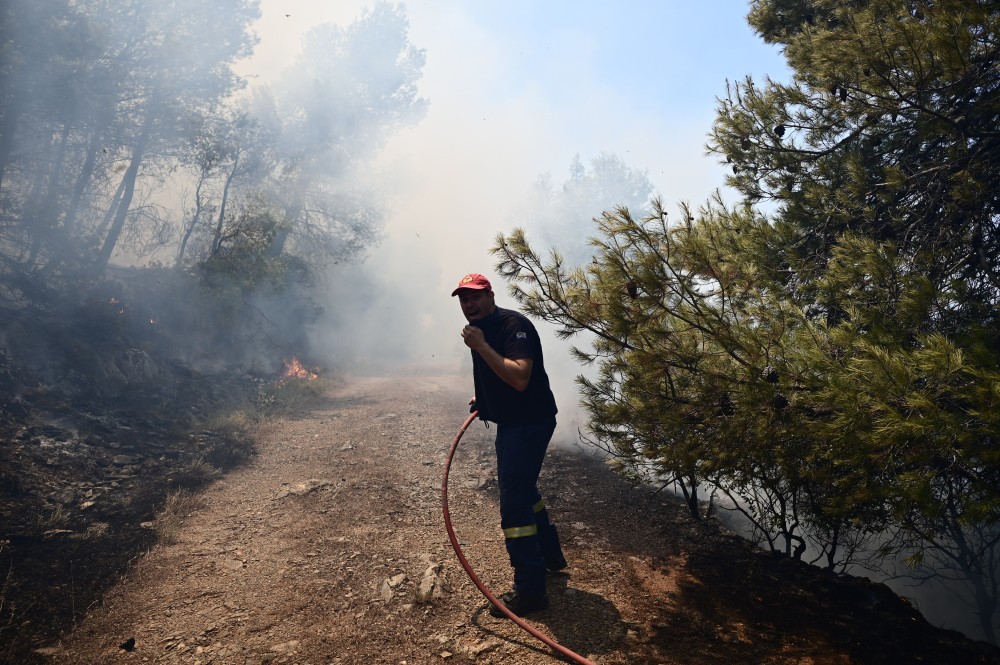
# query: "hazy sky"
{"type": "Point", "coordinates": [517, 89]}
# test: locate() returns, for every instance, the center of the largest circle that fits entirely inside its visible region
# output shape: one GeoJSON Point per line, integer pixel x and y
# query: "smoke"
{"type": "Point", "coordinates": [382, 316]}
{"type": "Point", "coordinates": [516, 93]}
{"type": "Point", "coordinates": [383, 325]}
{"type": "Point", "coordinates": [363, 148]}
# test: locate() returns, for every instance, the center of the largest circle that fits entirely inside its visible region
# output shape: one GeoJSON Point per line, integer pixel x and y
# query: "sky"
{"type": "Point", "coordinates": [516, 89]}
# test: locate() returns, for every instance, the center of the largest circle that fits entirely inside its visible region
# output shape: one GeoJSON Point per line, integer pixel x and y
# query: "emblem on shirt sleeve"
{"type": "Point", "coordinates": [521, 335]}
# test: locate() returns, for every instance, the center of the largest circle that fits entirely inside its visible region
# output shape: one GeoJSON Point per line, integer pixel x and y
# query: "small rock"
{"type": "Point", "coordinates": [49, 651]}
{"type": "Point", "coordinates": [480, 648]}
{"type": "Point", "coordinates": [429, 586]}
{"type": "Point", "coordinates": [475, 483]}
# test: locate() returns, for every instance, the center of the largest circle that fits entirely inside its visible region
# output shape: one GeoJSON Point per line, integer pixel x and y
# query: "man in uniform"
{"type": "Point", "coordinates": [512, 390]}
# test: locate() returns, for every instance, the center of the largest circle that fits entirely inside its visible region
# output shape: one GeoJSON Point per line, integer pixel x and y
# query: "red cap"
{"type": "Point", "coordinates": [473, 281]}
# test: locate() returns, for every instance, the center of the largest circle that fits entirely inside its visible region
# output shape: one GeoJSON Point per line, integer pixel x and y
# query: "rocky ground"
{"type": "Point", "coordinates": [329, 547]}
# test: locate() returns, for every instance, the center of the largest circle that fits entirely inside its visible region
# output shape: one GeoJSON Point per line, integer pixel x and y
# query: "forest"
{"type": "Point", "coordinates": [821, 355]}
{"type": "Point", "coordinates": [120, 145]}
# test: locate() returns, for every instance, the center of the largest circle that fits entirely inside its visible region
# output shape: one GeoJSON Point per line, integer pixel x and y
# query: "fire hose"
{"type": "Point", "coordinates": [472, 574]}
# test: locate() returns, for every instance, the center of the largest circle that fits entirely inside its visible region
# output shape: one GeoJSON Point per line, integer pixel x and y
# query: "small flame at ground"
{"type": "Point", "coordinates": [114, 302]}
{"type": "Point", "coordinates": [295, 370]}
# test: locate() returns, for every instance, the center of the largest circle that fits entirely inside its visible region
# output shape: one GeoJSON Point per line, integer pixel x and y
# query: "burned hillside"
{"type": "Point", "coordinates": [111, 405]}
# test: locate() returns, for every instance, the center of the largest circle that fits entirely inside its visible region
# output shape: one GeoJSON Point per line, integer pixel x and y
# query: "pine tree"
{"type": "Point", "coordinates": [827, 351]}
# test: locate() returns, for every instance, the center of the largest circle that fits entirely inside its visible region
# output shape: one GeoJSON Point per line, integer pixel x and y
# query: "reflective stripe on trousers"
{"type": "Point", "coordinates": [529, 536]}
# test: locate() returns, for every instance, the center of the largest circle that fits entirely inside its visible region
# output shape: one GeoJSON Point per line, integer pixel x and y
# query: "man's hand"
{"type": "Point", "coordinates": [473, 338]}
{"type": "Point", "coordinates": [515, 373]}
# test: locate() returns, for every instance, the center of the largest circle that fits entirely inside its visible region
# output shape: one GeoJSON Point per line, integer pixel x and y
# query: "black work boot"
{"type": "Point", "coordinates": [520, 604]}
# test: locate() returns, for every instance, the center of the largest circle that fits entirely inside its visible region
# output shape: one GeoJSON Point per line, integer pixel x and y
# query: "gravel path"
{"type": "Point", "coordinates": [329, 547]}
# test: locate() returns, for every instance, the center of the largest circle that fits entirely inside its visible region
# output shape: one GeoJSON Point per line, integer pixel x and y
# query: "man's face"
{"type": "Point", "coordinates": [476, 303]}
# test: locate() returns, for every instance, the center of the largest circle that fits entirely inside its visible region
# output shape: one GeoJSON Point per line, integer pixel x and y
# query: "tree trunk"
{"type": "Point", "coordinates": [48, 209]}
{"type": "Point", "coordinates": [292, 213]}
{"type": "Point", "coordinates": [121, 211]}
{"type": "Point", "coordinates": [198, 206]}
{"type": "Point", "coordinates": [81, 182]}
{"type": "Point", "coordinates": [986, 607]}
{"type": "Point", "coordinates": [217, 238]}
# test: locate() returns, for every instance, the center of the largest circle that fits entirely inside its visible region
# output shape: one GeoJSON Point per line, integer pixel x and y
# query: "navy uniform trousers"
{"type": "Point", "coordinates": [531, 539]}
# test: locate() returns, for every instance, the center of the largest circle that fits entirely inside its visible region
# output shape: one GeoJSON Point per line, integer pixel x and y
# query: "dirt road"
{"type": "Point", "coordinates": [329, 547]}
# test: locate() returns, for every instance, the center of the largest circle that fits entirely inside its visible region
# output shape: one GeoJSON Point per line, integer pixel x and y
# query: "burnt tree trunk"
{"type": "Point", "coordinates": [217, 237]}
{"type": "Point", "coordinates": [121, 210]}
{"type": "Point", "coordinates": [82, 181]}
{"type": "Point", "coordinates": [292, 213]}
{"type": "Point", "coordinates": [195, 219]}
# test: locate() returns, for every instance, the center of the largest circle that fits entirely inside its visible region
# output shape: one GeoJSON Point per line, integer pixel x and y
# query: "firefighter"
{"type": "Point", "coordinates": [512, 390]}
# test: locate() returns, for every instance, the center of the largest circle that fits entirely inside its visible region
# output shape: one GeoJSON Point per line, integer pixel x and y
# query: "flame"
{"type": "Point", "coordinates": [295, 370]}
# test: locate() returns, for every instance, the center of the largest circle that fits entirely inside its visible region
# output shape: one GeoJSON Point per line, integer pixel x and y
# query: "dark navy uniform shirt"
{"type": "Point", "coordinates": [513, 336]}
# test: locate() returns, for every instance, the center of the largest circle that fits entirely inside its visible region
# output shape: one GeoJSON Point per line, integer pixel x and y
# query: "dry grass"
{"type": "Point", "coordinates": [177, 507]}
{"type": "Point", "coordinates": [234, 436]}
{"type": "Point", "coordinates": [235, 442]}
{"type": "Point", "coordinates": [295, 395]}
{"type": "Point", "coordinates": [55, 518]}
{"type": "Point", "coordinates": [195, 474]}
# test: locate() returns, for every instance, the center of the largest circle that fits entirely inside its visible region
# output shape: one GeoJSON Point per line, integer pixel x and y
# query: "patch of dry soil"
{"type": "Point", "coordinates": [329, 547]}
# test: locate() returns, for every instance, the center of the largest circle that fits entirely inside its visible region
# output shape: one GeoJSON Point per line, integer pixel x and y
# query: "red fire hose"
{"type": "Point", "coordinates": [468, 569]}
